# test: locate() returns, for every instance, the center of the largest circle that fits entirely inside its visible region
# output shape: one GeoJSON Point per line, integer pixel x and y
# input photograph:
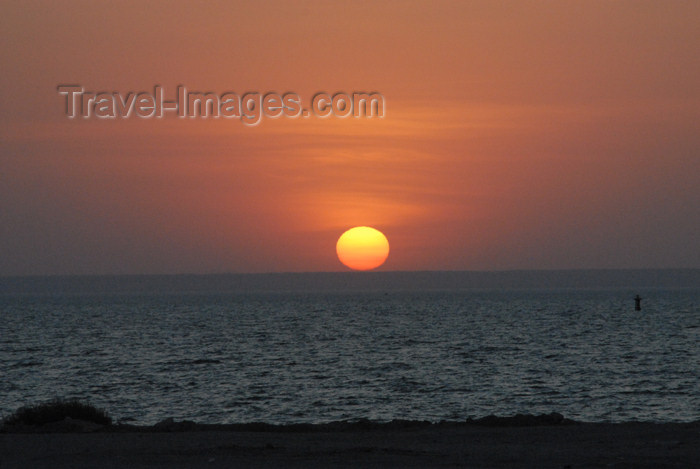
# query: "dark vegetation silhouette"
{"type": "Point", "coordinates": [57, 410]}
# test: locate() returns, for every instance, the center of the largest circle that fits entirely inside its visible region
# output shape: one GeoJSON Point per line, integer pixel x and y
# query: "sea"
{"type": "Point", "coordinates": [324, 347]}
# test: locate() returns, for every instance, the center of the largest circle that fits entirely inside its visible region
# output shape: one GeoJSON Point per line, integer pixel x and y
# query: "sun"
{"type": "Point", "coordinates": [362, 248]}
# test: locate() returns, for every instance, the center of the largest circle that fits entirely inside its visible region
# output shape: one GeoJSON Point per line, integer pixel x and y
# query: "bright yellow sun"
{"type": "Point", "coordinates": [362, 248]}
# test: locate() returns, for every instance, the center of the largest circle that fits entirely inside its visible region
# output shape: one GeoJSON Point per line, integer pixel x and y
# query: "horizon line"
{"type": "Point", "coordinates": [355, 272]}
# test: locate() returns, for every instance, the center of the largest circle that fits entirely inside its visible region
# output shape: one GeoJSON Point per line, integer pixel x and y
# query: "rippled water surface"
{"type": "Point", "coordinates": [322, 357]}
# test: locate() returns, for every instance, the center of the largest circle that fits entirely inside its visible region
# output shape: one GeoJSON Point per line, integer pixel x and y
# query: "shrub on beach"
{"type": "Point", "coordinates": [56, 411]}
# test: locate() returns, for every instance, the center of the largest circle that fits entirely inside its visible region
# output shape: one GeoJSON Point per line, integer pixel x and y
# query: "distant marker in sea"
{"type": "Point", "coordinates": [637, 303]}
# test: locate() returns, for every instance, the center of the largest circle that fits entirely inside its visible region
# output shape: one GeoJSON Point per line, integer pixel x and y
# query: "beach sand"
{"type": "Point", "coordinates": [407, 444]}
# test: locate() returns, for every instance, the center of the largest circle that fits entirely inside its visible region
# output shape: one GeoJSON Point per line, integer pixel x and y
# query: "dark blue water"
{"type": "Point", "coordinates": [284, 357]}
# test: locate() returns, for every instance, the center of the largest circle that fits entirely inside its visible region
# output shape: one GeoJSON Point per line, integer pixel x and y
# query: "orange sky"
{"type": "Point", "coordinates": [517, 135]}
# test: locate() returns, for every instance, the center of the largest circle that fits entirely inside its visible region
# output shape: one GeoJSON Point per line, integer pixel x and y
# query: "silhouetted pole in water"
{"type": "Point", "coordinates": [637, 303]}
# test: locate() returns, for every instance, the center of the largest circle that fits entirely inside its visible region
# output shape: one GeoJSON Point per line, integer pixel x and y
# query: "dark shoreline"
{"type": "Point", "coordinates": [492, 442]}
{"type": "Point", "coordinates": [69, 425]}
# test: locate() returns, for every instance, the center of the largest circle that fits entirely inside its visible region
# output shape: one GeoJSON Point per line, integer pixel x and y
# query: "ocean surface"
{"type": "Point", "coordinates": [384, 353]}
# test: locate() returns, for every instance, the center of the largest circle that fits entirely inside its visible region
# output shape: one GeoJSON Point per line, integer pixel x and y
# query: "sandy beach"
{"type": "Point", "coordinates": [488, 444]}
